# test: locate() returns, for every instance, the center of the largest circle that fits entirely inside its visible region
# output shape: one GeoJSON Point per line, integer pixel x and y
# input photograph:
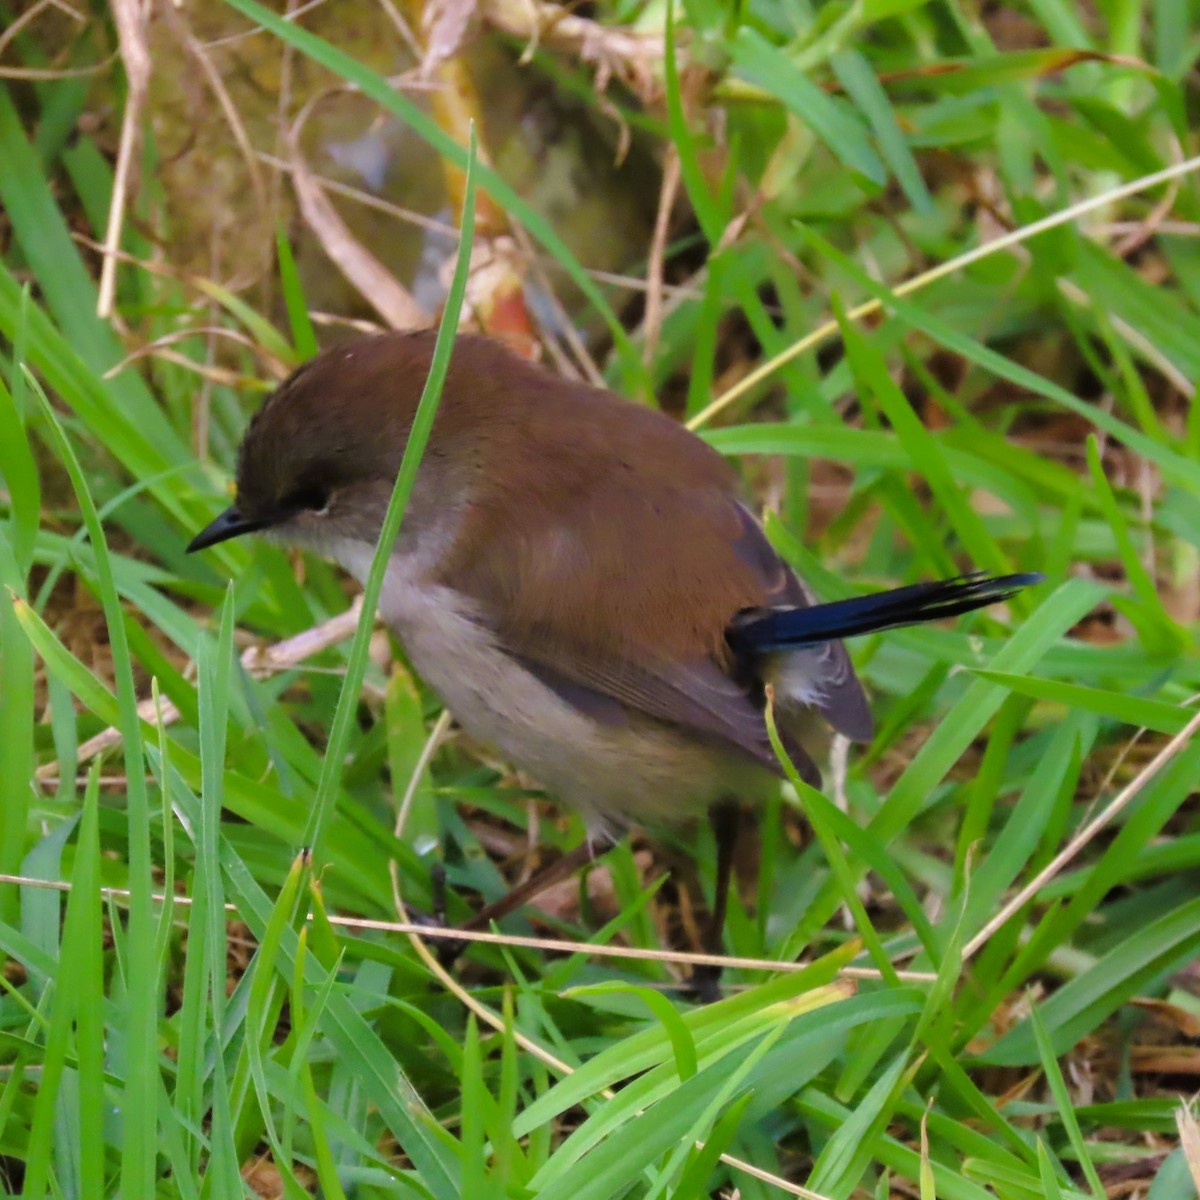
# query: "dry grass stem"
{"type": "Point", "coordinates": [405, 927]}
{"type": "Point", "coordinates": [1118, 804]}
{"type": "Point", "coordinates": [9, 33]}
{"type": "Point", "coordinates": [669, 191]}
{"type": "Point", "coordinates": [1004, 242]}
{"type": "Point", "coordinates": [230, 38]}
{"type": "Point", "coordinates": [130, 18]}
{"type": "Point", "coordinates": [377, 286]}
{"type": "Point", "coordinates": [154, 349]}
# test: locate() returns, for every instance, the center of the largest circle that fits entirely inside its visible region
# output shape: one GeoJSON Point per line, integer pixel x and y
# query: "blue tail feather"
{"type": "Point", "coordinates": [764, 631]}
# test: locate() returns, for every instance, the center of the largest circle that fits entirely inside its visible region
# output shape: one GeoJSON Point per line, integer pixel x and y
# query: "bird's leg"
{"type": "Point", "coordinates": [437, 892]}
{"type": "Point", "coordinates": [566, 865]}
{"type": "Point", "coordinates": [562, 867]}
{"type": "Point", "coordinates": [724, 817]}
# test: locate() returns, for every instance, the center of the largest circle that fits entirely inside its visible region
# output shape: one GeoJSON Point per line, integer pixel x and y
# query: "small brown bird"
{"type": "Point", "coordinates": [577, 577]}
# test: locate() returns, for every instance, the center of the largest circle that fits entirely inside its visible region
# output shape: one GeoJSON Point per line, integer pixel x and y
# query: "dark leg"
{"type": "Point", "coordinates": [724, 818]}
{"type": "Point", "coordinates": [450, 950]}
{"type": "Point", "coordinates": [538, 882]}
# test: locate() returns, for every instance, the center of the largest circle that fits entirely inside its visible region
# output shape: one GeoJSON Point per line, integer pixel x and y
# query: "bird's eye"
{"type": "Point", "coordinates": [309, 497]}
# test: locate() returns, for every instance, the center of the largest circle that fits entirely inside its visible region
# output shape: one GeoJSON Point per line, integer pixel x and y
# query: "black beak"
{"type": "Point", "coordinates": [229, 524]}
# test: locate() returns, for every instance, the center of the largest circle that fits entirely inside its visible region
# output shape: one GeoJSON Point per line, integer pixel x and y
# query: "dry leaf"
{"type": "Point", "coordinates": [1189, 1140]}
{"type": "Point", "coordinates": [445, 24]}
{"type": "Point", "coordinates": [1170, 1014]}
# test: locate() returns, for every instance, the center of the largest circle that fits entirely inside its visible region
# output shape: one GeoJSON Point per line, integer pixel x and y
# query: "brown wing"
{"type": "Point", "coordinates": [612, 566]}
{"type": "Point", "coordinates": [696, 697]}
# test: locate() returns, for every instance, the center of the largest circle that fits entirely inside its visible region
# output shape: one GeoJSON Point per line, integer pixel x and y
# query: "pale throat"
{"type": "Point", "coordinates": [407, 582]}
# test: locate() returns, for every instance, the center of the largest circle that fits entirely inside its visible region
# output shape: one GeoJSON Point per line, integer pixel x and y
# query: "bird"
{"type": "Point", "coordinates": [579, 578]}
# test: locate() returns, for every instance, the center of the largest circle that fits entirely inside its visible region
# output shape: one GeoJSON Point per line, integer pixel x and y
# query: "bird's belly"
{"type": "Point", "coordinates": [637, 770]}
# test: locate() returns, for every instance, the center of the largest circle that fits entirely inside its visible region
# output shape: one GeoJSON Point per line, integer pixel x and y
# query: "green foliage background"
{"type": "Point", "coordinates": [1033, 410]}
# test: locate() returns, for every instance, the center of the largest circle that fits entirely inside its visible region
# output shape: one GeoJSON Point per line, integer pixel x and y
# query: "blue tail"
{"type": "Point", "coordinates": [762, 631]}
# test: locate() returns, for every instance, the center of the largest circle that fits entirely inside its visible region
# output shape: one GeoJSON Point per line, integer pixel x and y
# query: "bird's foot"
{"type": "Point", "coordinates": [704, 986]}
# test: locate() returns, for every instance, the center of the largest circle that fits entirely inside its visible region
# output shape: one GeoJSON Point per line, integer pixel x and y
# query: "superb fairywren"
{"type": "Point", "coordinates": [577, 577]}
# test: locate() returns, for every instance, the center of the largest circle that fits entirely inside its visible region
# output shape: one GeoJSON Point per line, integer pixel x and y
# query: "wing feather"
{"type": "Point", "coordinates": [697, 697]}
{"type": "Point", "coordinates": [613, 568]}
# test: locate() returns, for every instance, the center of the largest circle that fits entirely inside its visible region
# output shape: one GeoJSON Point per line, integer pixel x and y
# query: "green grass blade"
{"type": "Point", "coordinates": [1064, 1103]}
{"type": "Point", "coordinates": [756, 60]}
{"type": "Point", "coordinates": [141, 1029]}
{"type": "Point", "coordinates": [327, 789]}
{"type": "Point", "coordinates": [304, 337]}
{"type": "Point", "coordinates": [1082, 1003]}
